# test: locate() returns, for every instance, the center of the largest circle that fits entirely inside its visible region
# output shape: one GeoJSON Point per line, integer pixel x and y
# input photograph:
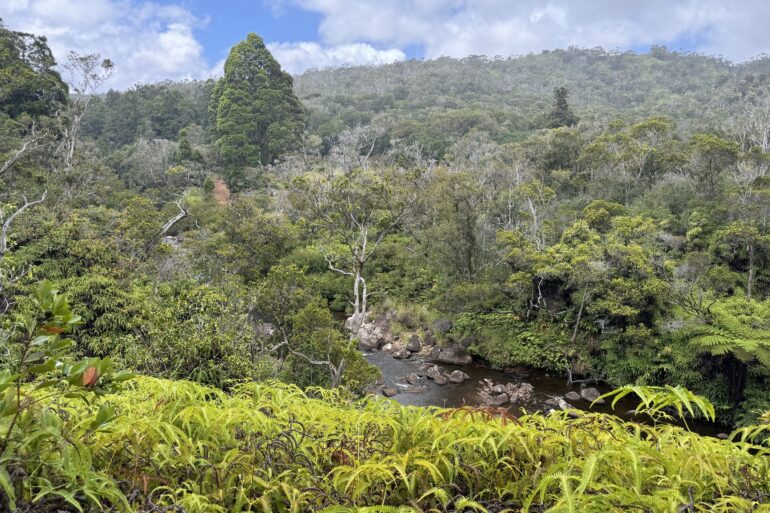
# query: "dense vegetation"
{"type": "Point", "coordinates": [602, 216]}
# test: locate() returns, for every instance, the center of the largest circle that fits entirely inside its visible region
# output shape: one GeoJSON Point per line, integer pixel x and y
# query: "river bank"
{"type": "Point", "coordinates": [547, 391]}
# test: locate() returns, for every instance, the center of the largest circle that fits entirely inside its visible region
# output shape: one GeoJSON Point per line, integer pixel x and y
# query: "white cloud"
{"type": "Point", "coordinates": [735, 29]}
{"type": "Point", "coordinates": [297, 57]}
{"type": "Point", "coordinates": [147, 42]}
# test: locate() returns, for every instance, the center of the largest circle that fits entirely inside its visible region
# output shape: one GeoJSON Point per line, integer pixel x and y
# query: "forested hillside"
{"type": "Point", "coordinates": [189, 273]}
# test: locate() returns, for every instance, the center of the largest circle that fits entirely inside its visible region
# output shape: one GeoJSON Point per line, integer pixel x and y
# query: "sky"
{"type": "Point", "coordinates": [156, 40]}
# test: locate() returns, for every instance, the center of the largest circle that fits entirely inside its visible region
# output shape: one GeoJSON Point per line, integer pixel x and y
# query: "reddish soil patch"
{"type": "Point", "coordinates": [221, 192]}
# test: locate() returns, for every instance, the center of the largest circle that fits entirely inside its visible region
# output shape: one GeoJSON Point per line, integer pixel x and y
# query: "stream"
{"type": "Point", "coordinates": [546, 386]}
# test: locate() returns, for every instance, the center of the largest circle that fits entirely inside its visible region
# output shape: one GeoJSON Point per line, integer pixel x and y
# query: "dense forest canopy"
{"type": "Point", "coordinates": [189, 271]}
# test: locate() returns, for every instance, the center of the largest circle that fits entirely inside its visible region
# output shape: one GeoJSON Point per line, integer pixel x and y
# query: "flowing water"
{"type": "Point", "coordinates": [427, 393]}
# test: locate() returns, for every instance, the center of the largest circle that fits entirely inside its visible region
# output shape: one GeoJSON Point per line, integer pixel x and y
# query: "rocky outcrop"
{"type": "Point", "coordinates": [451, 355]}
{"type": "Point", "coordinates": [493, 394]}
{"type": "Point", "coordinates": [414, 344]}
{"type": "Point", "coordinates": [370, 336]}
{"type": "Point", "coordinates": [457, 376]}
{"type": "Point", "coordinates": [442, 326]}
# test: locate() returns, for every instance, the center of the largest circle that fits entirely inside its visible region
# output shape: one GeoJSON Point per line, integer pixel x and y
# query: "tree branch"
{"type": "Point", "coordinates": [7, 224]}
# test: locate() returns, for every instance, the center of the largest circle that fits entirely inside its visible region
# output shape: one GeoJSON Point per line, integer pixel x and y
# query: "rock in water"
{"type": "Point", "coordinates": [498, 389]}
{"type": "Point", "coordinates": [401, 354]}
{"type": "Point", "coordinates": [451, 355]}
{"type": "Point", "coordinates": [520, 392]}
{"type": "Point", "coordinates": [433, 371]}
{"type": "Point", "coordinates": [492, 399]}
{"type": "Point", "coordinates": [458, 376]}
{"type": "Point", "coordinates": [412, 378]}
{"type": "Point", "coordinates": [591, 394]}
{"type": "Point", "coordinates": [441, 379]}
{"type": "Point", "coordinates": [389, 391]}
{"type": "Point", "coordinates": [572, 396]}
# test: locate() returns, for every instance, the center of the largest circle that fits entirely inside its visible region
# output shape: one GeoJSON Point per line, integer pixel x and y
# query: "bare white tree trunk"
{"type": "Point", "coordinates": [7, 222]}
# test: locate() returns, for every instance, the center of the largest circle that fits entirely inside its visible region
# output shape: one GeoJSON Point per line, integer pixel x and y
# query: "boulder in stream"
{"type": "Point", "coordinates": [401, 354]}
{"type": "Point", "coordinates": [493, 399]}
{"type": "Point", "coordinates": [370, 337]}
{"type": "Point", "coordinates": [441, 379]}
{"type": "Point", "coordinates": [458, 376]}
{"type": "Point", "coordinates": [572, 395]}
{"type": "Point", "coordinates": [591, 394]}
{"type": "Point", "coordinates": [412, 378]}
{"type": "Point", "coordinates": [389, 391]}
{"type": "Point", "coordinates": [451, 355]}
{"type": "Point", "coordinates": [433, 370]}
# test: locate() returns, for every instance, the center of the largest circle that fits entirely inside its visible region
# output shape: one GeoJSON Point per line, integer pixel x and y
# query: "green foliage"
{"type": "Point", "coordinates": [506, 340]}
{"type": "Point", "coordinates": [255, 115]}
{"type": "Point", "coordinates": [30, 84]}
{"type": "Point", "coordinates": [47, 418]}
{"type": "Point", "coordinates": [272, 447]}
{"type": "Point", "coordinates": [655, 401]}
{"type": "Point", "coordinates": [561, 114]}
{"type": "Point", "coordinates": [737, 326]}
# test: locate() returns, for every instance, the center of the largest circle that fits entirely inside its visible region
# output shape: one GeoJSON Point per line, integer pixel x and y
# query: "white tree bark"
{"type": "Point", "coordinates": [9, 221]}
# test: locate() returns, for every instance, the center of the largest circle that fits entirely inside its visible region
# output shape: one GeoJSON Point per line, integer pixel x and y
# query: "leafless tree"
{"type": "Point", "coordinates": [355, 146]}
{"type": "Point", "coordinates": [85, 74]}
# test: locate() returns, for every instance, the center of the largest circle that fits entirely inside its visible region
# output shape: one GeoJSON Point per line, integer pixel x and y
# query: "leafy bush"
{"type": "Point", "coordinates": [271, 447]}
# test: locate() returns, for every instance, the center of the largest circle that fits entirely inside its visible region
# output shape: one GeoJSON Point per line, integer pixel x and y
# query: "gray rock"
{"type": "Point", "coordinates": [433, 371]}
{"type": "Point", "coordinates": [412, 378]}
{"type": "Point", "coordinates": [723, 436]}
{"type": "Point", "coordinates": [389, 391]}
{"type": "Point", "coordinates": [458, 376]}
{"type": "Point", "coordinates": [552, 401]}
{"type": "Point", "coordinates": [441, 379]}
{"type": "Point", "coordinates": [429, 340]}
{"type": "Point", "coordinates": [442, 326]}
{"type": "Point", "coordinates": [493, 400]}
{"type": "Point", "coordinates": [408, 320]}
{"type": "Point", "coordinates": [520, 392]}
{"type": "Point", "coordinates": [572, 396]}
{"type": "Point", "coordinates": [591, 394]}
{"type": "Point", "coordinates": [498, 389]}
{"type": "Point", "coordinates": [401, 354]}
{"type": "Point", "coordinates": [370, 337]}
{"type": "Point", "coordinates": [355, 322]}
{"type": "Point", "coordinates": [414, 344]}
{"type": "Point", "coordinates": [451, 355]}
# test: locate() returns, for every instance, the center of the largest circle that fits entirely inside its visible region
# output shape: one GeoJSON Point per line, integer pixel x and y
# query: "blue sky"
{"type": "Point", "coordinates": [151, 40]}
